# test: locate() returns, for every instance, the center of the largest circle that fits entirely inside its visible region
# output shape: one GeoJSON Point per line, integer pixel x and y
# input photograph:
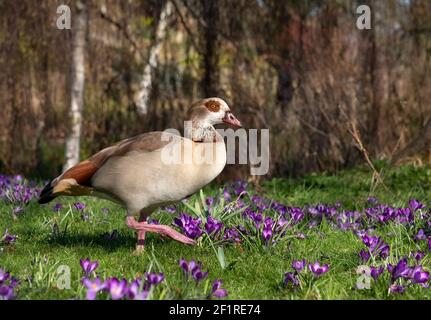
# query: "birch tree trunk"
{"type": "Point", "coordinates": [143, 94]}
{"type": "Point", "coordinates": [79, 27]}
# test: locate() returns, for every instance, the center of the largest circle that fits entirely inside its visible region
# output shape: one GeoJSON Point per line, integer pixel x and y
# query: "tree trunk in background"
{"type": "Point", "coordinates": [80, 25]}
{"type": "Point", "coordinates": [211, 78]}
{"type": "Point", "coordinates": [420, 145]}
{"type": "Point", "coordinates": [284, 88]}
{"type": "Point", "coordinates": [144, 91]}
{"type": "Point", "coordinates": [379, 77]}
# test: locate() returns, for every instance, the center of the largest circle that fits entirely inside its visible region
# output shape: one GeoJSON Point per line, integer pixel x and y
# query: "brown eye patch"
{"type": "Point", "coordinates": [212, 105]}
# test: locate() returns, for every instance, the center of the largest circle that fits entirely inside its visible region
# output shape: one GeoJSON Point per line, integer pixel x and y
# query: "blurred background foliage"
{"type": "Point", "coordinates": [300, 68]}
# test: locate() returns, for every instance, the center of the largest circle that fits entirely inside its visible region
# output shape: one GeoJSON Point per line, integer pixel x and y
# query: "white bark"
{"type": "Point", "coordinates": [143, 94]}
{"type": "Point", "coordinates": [77, 86]}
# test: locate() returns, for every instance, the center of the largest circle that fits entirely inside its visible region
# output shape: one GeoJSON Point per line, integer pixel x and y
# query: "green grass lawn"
{"type": "Point", "coordinates": [249, 269]}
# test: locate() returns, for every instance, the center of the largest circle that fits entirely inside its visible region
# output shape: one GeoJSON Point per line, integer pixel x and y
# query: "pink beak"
{"type": "Point", "coordinates": [229, 118]}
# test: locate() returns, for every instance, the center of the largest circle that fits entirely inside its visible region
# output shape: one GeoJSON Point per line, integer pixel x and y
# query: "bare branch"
{"type": "Point", "coordinates": [354, 132]}
{"type": "Point", "coordinates": [122, 29]}
{"type": "Point", "coordinates": [183, 22]}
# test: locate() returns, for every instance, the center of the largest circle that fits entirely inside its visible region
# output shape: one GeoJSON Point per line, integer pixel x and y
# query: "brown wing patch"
{"type": "Point", "coordinates": [82, 172]}
{"type": "Point", "coordinates": [144, 142]}
{"type": "Point", "coordinates": [150, 141]}
{"type": "Point", "coordinates": [212, 105]}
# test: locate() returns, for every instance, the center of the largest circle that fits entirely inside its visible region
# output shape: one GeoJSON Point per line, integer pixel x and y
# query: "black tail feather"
{"type": "Point", "coordinates": [46, 194]}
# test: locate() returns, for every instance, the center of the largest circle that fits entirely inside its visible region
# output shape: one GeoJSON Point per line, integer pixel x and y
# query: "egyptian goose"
{"type": "Point", "coordinates": [139, 173]}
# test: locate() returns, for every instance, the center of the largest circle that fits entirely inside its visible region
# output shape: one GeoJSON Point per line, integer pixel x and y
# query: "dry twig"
{"type": "Point", "coordinates": [354, 132]}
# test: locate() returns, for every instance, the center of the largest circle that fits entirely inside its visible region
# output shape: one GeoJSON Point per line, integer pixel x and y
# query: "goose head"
{"type": "Point", "coordinates": [212, 111]}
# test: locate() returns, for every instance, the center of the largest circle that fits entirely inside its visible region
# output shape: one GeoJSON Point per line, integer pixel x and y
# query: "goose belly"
{"type": "Point", "coordinates": [142, 179]}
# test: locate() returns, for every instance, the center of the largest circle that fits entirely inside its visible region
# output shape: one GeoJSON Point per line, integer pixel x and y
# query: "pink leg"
{"type": "Point", "coordinates": [140, 245]}
{"type": "Point", "coordinates": [161, 229]}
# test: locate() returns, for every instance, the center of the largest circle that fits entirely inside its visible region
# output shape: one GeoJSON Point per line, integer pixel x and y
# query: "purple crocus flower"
{"type": "Point", "coordinates": [153, 221]}
{"type": "Point", "coordinates": [213, 226]}
{"type": "Point", "coordinates": [87, 266]}
{"type": "Point", "coordinates": [79, 206]}
{"type": "Point", "coordinates": [418, 255]}
{"type": "Point", "coordinates": [300, 235]}
{"type": "Point", "coordinates": [365, 255]}
{"type": "Point", "coordinates": [290, 277]}
{"type": "Point", "coordinates": [154, 278]}
{"type": "Point", "coordinates": [401, 270]}
{"type": "Point", "coordinates": [13, 282]}
{"type": "Point", "coordinates": [6, 293]}
{"type": "Point", "coordinates": [348, 220]}
{"type": "Point", "coordinates": [93, 287]}
{"type": "Point", "coordinates": [419, 276]}
{"type": "Point", "coordinates": [281, 222]}
{"type": "Point", "coordinates": [189, 225]}
{"type": "Point", "coordinates": [135, 292]}
{"type": "Point", "coordinates": [216, 289]}
{"type": "Point", "coordinates": [231, 234]}
{"type": "Point", "coordinates": [298, 265]}
{"type": "Point", "coordinates": [383, 250]}
{"type": "Point", "coordinates": [267, 229]}
{"type": "Point", "coordinates": [279, 208]}
{"type": "Point", "coordinates": [8, 238]}
{"type": "Point", "coordinates": [239, 204]}
{"type": "Point", "coordinates": [209, 201]}
{"type": "Point", "coordinates": [256, 199]}
{"type": "Point", "coordinates": [376, 247]}
{"type": "Point", "coordinates": [372, 200]}
{"type": "Point", "coordinates": [117, 289]}
{"type": "Point", "coordinates": [170, 209]}
{"type": "Point", "coordinates": [317, 269]}
{"type": "Point", "coordinates": [194, 269]}
{"type": "Point", "coordinates": [185, 265]}
{"type": "Point", "coordinates": [396, 288]}
{"type": "Point", "coordinates": [313, 223]}
{"type": "Point", "coordinates": [7, 285]}
{"type": "Point", "coordinates": [198, 274]}
{"type": "Point", "coordinates": [429, 243]}
{"type": "Point", "coordinates": [239, 187]}
{"type": "Point", "coordinates": [421, 235]}
{"type": "Point", "coordinates": [296, 214]}
{"type": "Point", "coordinates": [18, 210]}
{"type": "Point", "coordinates": [415, 204]}
{"type": "Point", "coordinates": [370, 241]}
{"type": "Point", "coordinates": [3, 276]}
{"type": "Point", "coordinates": [256, 218]}
{"type": "Point", "coordinates": [375, 272]}
{"type": "Point", "coordinates": [57, 207]}
{"type": "Point", "coordinates": [226, 195]}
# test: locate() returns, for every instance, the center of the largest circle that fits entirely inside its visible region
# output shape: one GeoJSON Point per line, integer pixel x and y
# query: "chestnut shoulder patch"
{"type": "Point", "coordinates": [212, 105]}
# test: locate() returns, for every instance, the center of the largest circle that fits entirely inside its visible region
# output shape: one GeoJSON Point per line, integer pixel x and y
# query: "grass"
{"type": "Point", "coordinates": [251, 270]}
